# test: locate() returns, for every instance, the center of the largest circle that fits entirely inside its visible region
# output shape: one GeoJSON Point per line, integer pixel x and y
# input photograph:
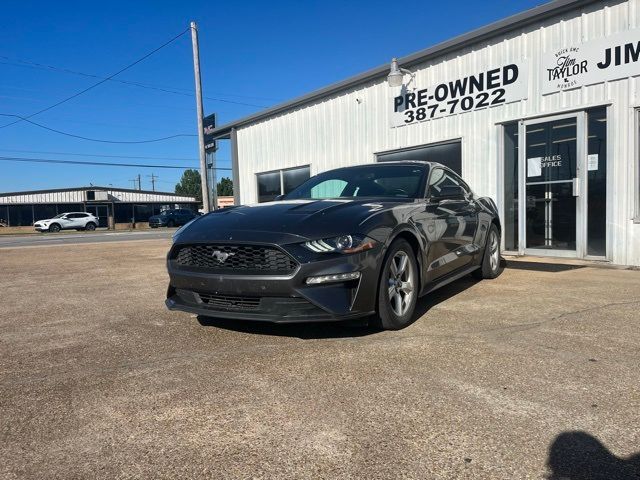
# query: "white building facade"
{"type": "Point", "coordinates": [539, 111]}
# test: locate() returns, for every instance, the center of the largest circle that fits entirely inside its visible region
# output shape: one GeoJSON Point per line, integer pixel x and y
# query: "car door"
{"type": "Point", "coordinates": [452, 223]}
{"type": "Point", "coordinates": [68, 221]}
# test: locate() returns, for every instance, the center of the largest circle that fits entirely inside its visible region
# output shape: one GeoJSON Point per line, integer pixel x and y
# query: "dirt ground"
{"type": "Point", "coordinates": [537, 372]}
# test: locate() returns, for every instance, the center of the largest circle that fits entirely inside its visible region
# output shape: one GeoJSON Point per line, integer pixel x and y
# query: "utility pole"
{"type": "Point", "coordinates": [204, 178]}
{"type": "Point", "coordinates": [153, 181]}
{"type": "Point", "coordinates": [139, 183]}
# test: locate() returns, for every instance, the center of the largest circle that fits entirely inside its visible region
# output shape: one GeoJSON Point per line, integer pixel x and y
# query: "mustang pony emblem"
{"type": "Point", "coordinates": [221, 256]}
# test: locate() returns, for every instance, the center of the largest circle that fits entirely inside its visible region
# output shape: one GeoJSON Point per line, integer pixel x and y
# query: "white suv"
{"type": "Point", "coordinates": [67, 221]}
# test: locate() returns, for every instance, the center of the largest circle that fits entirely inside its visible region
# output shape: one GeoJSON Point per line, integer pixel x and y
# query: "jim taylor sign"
{"type": "Point", "coordinates": [607, 58]}
{"type": "Point", "coordinates": [485, 89]}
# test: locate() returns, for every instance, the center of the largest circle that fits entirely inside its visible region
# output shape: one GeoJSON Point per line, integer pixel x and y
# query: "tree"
{"type": "Point", "coordinates": [225, 187]}
{"type": "Point", "coordinates": [189, 185]}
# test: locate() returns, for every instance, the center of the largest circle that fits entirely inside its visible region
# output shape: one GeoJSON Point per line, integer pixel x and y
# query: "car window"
{"type": "Point", "coordinates": [399, 181]}
{"type": "Point", "coordinates": [441, 178]}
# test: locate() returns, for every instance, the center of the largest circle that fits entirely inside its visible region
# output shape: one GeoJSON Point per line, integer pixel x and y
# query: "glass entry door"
{"type": "Point", "coordinates": [552, 167]}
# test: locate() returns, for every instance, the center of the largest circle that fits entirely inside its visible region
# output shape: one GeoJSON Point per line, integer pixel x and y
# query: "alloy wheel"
{"type": "Point", "coordinates": [494, 251]}
{"type": "Point", "coordinates": [401, 283]}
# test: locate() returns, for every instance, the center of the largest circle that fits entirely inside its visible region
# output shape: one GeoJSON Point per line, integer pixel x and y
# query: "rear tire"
{"type": "Point", "coordinates": [397, 288]}
{"type": "Point", "coordinates": [490, 267]}
{"type": "Point", "coordinates": [90, 227]}
{"type": "Point", "coordinates": [170, 224]}
{"type": "Point", "coordinates": [54, 228]}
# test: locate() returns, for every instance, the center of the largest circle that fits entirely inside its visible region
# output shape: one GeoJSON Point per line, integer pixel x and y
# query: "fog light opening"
{"type": "Point", "coordinates": [338, 277]}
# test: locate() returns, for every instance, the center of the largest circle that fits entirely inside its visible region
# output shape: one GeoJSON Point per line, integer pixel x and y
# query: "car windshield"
{"type": "Point", "coordinates": [60, 215]}
{"type": "Point", "coordinates": [395, 181]}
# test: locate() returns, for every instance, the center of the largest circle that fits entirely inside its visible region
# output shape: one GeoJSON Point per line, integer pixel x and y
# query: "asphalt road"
{"type": "Point", "coordinates": [65, 238]}
{"type": "Point", "coordinates": [534, 373]}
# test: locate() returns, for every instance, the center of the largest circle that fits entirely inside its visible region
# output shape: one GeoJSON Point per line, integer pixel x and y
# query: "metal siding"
{"type": "Point", "coordinates": [79, 196]}
{"type": "Point", "coordinates": [338, 130]}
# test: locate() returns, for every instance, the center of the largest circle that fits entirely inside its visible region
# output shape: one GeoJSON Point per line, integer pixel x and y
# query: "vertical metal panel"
{"type": "Point", "coordinates": [348, 127]}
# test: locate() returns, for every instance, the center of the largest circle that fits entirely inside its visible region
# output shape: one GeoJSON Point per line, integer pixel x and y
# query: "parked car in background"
{"type": "Point", "coordinates": [352, 242]}
{"type": "Point", "coordinates": [68, 221]}
{"type": "Point", "coordinates": [172, 218]}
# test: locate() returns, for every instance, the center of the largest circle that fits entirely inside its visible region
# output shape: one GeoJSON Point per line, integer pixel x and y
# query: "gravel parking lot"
{"type": "Point", "coordinates": [537, 372]}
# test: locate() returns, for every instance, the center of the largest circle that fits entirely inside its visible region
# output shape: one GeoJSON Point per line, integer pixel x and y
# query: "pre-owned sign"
{"type": "Point", "coordinates": [606, 58]}
{"type": "Point", "coordinates": [486, 89]}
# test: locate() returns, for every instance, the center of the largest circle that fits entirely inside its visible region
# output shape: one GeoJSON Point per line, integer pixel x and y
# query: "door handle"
{"type": "Point", "coordinates": [576, 187]}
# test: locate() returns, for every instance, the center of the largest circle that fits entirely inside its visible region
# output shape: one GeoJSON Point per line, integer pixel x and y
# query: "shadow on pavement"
{"type": "Point", "coordinates": [345, 329]}
{"type": "Point", "coordinates": [580, 456]}
{"type": "Point", "coordinates": [541, 266]}
{"type": "Point", "coordinates": [305, 331]}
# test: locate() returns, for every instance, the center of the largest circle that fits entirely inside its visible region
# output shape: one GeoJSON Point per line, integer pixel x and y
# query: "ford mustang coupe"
{"type": "Point", "coordinates": [362, 241]}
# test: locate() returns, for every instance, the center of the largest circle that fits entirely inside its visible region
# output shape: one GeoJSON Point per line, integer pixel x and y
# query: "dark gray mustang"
{"type": "Point", "coordinates": [353, 242]}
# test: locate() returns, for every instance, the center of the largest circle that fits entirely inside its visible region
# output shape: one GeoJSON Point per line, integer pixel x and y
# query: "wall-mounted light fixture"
{"type": "Point", "coordinates": [396, 75]}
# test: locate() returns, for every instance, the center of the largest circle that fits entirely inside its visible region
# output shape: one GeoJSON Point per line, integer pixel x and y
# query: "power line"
{"type": "Point", "coordinates": [104, 164]}
{"type": "Point", "coordinates": [98, 155]}
{"type": "Point", "coordinates": [175, 90]}
{"type": "Point", "coordinates": [26, 119]}
{"type": "Point", "coordinates": [106, 79]}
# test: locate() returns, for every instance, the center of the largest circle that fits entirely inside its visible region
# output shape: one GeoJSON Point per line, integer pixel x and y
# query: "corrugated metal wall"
{"type": "Point", "coordinates": [348, 128]}
{"type": "Point", "coordinates": [79, 196]}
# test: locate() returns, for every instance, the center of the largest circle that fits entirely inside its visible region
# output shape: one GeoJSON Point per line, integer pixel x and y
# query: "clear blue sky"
{"type": "Point", "coordinates": [252, 52]}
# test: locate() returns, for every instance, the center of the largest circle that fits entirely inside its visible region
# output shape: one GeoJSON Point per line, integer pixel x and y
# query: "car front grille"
{"type": "Point", "coordinates": [230, 302]}
{"type": "Point", "coordinates": [234, 259]}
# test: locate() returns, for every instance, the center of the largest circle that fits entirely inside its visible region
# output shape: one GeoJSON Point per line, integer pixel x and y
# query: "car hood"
{"type": "Point", "coordinates": [287, 221]}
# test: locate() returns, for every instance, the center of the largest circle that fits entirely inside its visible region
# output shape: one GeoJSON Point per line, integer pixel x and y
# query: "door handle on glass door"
{"type": "Point", "coordinates": [576, 187]}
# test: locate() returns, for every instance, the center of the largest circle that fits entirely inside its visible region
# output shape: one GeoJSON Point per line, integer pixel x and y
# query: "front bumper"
{"type": "Point", "coordinates": [41, 228]}
{"type": "Point", "coordinates": [281, 299]}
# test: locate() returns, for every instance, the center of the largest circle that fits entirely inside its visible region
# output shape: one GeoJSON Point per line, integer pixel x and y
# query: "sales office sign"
{"type": "Point", "coordinates": [486, 89]}
{"type": "Point", "coordinates": [603, 59]}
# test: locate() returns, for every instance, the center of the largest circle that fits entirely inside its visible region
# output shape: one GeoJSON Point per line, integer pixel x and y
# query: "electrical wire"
{"type": "Point", "coordinates": [137, 157]}
{"type": "Point", "coordinates": [106, 164]}
{"type": "Point", "coordinates": [99, 140]}
{"type": "Point", "coordinates": [106, 79]}
{"type": "Point", "coordinates": [176, 90]}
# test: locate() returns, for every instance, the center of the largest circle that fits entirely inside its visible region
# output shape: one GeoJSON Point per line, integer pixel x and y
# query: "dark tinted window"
{"type": "Point", "coordinates": [399, 181]}
{"type": "Point", "coordinates": [294, 177]}
{"type": "Point", "coordinates": [448, 154]}
{"type": "Point", "coordinates": [441, 178]}
{"type": "Point", "coordinates": [268, 186]}
{"type": "Point", "coordinates": [20, 215]}
{"type": "Point", "coordinates": [43, 212]}
{"type": "Point", "coordinates": [597, 182]}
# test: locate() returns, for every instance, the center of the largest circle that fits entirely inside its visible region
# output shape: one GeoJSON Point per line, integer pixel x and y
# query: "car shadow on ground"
{"type": "Point", "coordinates": [580, 456]}
{"type": "Point", "coordinates": [343, 329]}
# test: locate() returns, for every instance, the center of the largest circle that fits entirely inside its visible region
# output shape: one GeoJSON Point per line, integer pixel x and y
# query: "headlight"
{"type": "Point", "coordinates": [341, 244]}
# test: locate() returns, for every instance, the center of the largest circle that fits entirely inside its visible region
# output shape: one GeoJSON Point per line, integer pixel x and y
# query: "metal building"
{"type": "Point", "coordinates": [539, 110]}
{"type": "Point", "coordinates": [112, 206]}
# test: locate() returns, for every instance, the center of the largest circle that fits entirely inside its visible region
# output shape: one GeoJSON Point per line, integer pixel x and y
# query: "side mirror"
{"type": "Point", "coordinates": [449, 192]}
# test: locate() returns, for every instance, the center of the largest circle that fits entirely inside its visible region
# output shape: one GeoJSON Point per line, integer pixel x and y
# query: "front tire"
{"type": "Point", "coordinates": [398, 287]}
{"type": "Point", "coordinates": [54, 228]}
{"type": "Point", "coordinates": [490, 267]}
{"type": "Point", "coordinates": [170, 224]}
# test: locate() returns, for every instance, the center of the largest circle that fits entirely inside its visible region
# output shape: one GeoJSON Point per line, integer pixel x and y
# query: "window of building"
{"type": "Point", "coordinates": [272, 184]}
{"type": "Point", "coordinates": [597, 181]}
{"type": "Point", "coordinates": [20, 215]}
{"type": "Point", "coordinates": [448, 154]}
{"type": "Point", "coordinates": [44, 212]}
{"type": "Point", "coordinates": [4, 215]}
{"type": "Point", "coordinates": [510, 221]}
